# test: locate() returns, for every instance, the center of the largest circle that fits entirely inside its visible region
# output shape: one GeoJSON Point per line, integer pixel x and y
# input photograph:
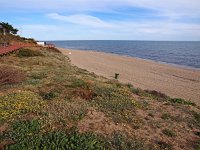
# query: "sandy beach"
{"type": "Point", "coordinates": [174, 81]}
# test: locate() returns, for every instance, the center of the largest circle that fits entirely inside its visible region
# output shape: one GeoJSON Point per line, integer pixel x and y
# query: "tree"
{"type": "Point", "coordinates": [9, 28]}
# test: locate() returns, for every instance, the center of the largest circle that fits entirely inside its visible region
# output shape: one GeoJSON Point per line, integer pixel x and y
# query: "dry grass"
{"type": "Point", "coordinates": [11, 75]}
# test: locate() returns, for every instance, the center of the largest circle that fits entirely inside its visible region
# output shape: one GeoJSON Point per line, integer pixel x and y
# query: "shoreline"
{"type": "Point", "coordinates": [175, 81]}
{"type": "Point", "coordinates": [151, 60]}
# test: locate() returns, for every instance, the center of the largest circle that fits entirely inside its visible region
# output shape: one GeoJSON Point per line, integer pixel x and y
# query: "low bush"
{"type": "Point", "coordinates": [113, 98]}
{"type": "Point", "coordinates": [24, 129]}
{"type": "Point", "coordinates": [11, 75]}
{"type": "Point", "coordinates": [166, 116]}
{"type": "Point", "coordinates": [78, 83]}
{"type": "Point", "coordinates": [181, 101]}
{"type": "Point", "coordinates": [28, 53]}
{"type": "Point", "coordinates": [26, 135]}
{"type": "Point", "coordinates": [169, 133]}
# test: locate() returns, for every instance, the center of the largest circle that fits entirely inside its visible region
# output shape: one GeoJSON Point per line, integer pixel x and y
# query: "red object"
{"type": "Point", "coordinates": [11, 48]}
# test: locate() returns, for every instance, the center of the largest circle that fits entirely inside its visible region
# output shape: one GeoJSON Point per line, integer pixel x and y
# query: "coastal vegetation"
{"type": "Point", "coordinates": [7, 28]}
{"type": "Point", "coordinates": [47, 103]}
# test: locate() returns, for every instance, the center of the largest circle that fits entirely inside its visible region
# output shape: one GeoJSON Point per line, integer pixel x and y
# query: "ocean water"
{"type": "Point", "coordinates": [178, 53]}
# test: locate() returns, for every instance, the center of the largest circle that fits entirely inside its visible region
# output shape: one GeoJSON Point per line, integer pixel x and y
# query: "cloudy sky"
{"type": "Point", "coordinates": [104, 19]}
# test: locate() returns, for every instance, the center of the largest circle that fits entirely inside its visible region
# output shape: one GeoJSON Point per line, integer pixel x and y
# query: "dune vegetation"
{"type": "Point", "coordinates": [47, 103]}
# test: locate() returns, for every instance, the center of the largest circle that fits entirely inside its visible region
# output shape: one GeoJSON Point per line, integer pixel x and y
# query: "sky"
{"type": "Point", "coordinates": [171, 20]}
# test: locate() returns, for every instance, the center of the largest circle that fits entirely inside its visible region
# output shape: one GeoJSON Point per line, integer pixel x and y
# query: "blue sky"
{"type": "Point", "coordinates": [104, 19]}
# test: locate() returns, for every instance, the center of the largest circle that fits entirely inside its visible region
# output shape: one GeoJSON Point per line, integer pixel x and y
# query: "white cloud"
{"type": "Point", "coordinates": [189, 7]}
{"type": "Point", "coordinates": [148, 30]}
{"type": "Point", "coordinates": [79, 25]}
{"type": "Point", "coordinates": [82, 19]}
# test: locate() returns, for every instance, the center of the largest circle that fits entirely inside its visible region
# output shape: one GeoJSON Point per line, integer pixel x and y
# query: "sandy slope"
{"type": "Point", "coordinates": [171, 80]}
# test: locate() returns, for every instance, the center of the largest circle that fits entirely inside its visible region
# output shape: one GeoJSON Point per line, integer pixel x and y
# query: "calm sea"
{"type": "Point", "coordinates": [178, 53]}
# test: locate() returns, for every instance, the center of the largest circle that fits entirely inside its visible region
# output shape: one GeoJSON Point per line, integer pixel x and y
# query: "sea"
{"type": "Point", "coordinates": [181, 53]}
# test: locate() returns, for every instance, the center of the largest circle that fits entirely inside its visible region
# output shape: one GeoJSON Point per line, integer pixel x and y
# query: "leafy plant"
{"type": "Point", "coordinates": [15, 104]}
{"type": "Point", "coordinates": [28, 53]}
{"type": "Point", "coordinates": [24, 129]}
{"type": "Point", "coordinates": [26, 136]}
{"type": "Point", "coordinates": [113, 98]}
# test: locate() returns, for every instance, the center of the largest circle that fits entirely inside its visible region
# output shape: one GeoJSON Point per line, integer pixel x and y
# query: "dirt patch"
{"type": "Point", "coordinates": [4, 127]}
{"type": "Point", "coordinates": [97, 121]}
{"type": "Point", "coordinates": [159, 117]}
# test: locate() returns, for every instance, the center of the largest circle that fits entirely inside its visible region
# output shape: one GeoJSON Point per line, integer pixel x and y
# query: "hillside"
{"type": "Point", "coordinates": [46, 103]}
{"type": "Point", "coordinates": [12, 39]}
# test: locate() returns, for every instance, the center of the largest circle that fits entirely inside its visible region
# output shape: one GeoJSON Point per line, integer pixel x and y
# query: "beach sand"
{"type": "Point", "coordinates": [177, 82]}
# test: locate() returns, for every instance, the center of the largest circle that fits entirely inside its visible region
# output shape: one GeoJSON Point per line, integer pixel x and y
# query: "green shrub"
{"type": "Point", "coordinates": [121, 142]}
{"type": "Point", "coordinates": [165, 116]}
{"type": "Point", "coordinates": [113, 98]}
{"type": "Point", "coordinates": [39, 75]}
{"type": "Point", "coordinates": [78, 83]}
{"type": "Point", "coordinates": [29, 138]}
{"type": "Point", "coordinates": [24, 129]}
{"type": "Point", "coordinates": [28, 53]}
{"type": "Point", "coordinates": [137, 91]}
{"type": "Point", "coordinates": [196, 118]}
{"type": "Point", "coordinates": [181, 101]}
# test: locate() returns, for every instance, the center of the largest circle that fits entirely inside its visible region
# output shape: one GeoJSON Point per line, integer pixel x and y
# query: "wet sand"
{"type": "Point", "coordinates": [172, 80]}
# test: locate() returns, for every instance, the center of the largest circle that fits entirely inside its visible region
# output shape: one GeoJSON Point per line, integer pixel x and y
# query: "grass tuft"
{"type": "Point", "coordinates": [169, 133]}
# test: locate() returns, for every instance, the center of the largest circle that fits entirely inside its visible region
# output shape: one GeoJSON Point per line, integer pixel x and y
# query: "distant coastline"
{"type": "Point", "coordinates": [181, 54]}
